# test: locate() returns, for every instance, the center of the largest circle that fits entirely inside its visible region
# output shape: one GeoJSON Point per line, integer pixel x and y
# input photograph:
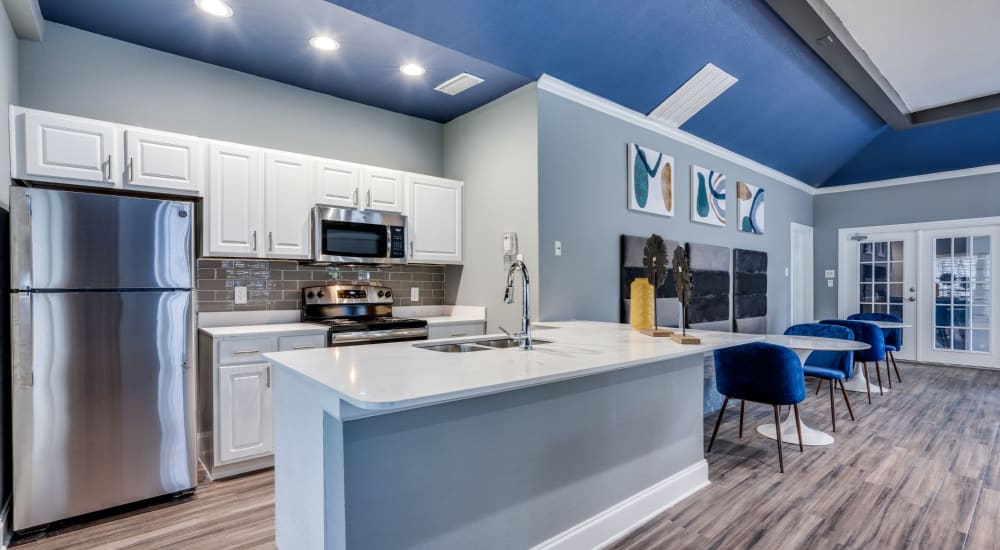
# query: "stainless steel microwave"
{"type": "Point", "coordinates": [350, 236]}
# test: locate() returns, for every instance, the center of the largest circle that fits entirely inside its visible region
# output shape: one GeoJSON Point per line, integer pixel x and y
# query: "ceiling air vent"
{"type": "Point", "coordinates": [706, 85]}
{"type": "Point", "coordinates": [458, 84]}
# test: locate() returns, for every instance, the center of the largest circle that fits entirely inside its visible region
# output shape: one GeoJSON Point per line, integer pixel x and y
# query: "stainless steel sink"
{"type": "Point", "coordinates": [452, 348]}
{"type": "Point", "coordinates": [501, 343]}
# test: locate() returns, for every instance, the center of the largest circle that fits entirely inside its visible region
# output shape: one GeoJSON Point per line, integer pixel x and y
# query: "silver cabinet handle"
{"type": "Point", "coordinates": [131, 169]}
{"type": "Point", "coordinates": [270, 241]}
{"type": "Point", "coordinates": [307, 346]}
{"type": "Point", "coordinates": [369, 199]}
{"type": "Point", "coordinates": [245, 351]}
{"type": "Point", "coordinates": [255, 240]}
{"type": "Point", "coordinates": [268, 376]}
{"type": "Point", "coordinates": [109, 166]}
{"type": "Point", "coordinates": [355, 196]}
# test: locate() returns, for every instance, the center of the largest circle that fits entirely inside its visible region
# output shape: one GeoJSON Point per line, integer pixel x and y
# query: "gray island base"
{"type": "Point", "coordinates": [568, 445]}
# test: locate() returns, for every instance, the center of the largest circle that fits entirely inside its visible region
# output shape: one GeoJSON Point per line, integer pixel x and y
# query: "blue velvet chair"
{"type": "Point", "coordinates": [893, 337]}
{"type": "Point", "coordinates": [762, 373]}
{"type": "Point", "coordinates": [832, 366]}
{"type": "Point", "coordinates": [871, 335]}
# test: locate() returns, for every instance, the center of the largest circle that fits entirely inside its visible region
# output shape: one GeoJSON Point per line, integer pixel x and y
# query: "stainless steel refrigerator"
{"type": "Point", "coordinates": [101, 351]}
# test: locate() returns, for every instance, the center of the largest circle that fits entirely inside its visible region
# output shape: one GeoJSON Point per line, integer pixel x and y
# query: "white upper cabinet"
{"type": "Point", "coordinates": [383, 189]}
{"type": "Point", "coordinates": [338, 183]}
{"type": "Point", "coordinates": [69, 150]}
{"type": "Point", "coordinates": [288, 181]}
{"type": "Point", "coordinates": [159, 161]}
{"type": "Point", "coordinates": [232, 206]}
{"type": "Point", "coordinates": [434, 216]}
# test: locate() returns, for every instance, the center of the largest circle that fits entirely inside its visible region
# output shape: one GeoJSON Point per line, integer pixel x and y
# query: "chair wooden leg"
{"type": "Point", "coordinates": [888, 374]}
{"type": "Point", "coordinates": [777, 432]}
{"type": "Point", "coordinates": [846, 400]}
{"type": "Point", "coordinates": [715, 432]}
{"type": "Point", "coordinates": [868, 382]}
{"type": "Point", "coordinates": [798, 422]}
{"type": "Point", "coordinates": [833, 410]}
{"type": "Point", "coordinates": [819, 384]}
{"type": "Point", "coordinates": [894, 367]}
{"type": "Point", "coordinates": [878, 375]}
{"type": "Point", "coordinates": [742, 404]}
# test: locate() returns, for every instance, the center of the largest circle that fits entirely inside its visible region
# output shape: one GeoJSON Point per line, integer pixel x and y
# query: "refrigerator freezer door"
{"type": "Point", "coordinates": [103, 401]}
{"type": "Point", "coordinates": [74, 240]}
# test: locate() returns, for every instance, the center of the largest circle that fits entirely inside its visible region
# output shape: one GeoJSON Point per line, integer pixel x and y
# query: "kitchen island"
{"type": "Point", "coordinates": [567, 445]}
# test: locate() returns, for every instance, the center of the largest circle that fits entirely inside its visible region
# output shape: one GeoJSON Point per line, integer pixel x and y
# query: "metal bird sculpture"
{"type": "Point", "coordinates": [654, 259]}
{"type": "Point", "coordinates": [682, 280]}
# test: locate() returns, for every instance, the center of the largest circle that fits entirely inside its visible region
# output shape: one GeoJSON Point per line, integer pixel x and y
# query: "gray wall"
{"type": "Point", "coordinates": [8, 95]}
{"type": "Point", "coordinates": [80, 73]}
{"type": "Point", "coordinates": [582, 198]}
{"type": "Point", "coordinates": [950, 199]}
{"type": "Point", "coordinates": [494, 149]}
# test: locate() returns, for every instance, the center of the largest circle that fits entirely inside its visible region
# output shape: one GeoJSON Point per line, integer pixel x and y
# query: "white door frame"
{"type": "Point", "coordinates": [809, 290]}
{"type": "Point", "coordinates": [846, 250]}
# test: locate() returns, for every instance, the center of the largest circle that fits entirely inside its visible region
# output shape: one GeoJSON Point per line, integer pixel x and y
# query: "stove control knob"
{"type": "Point", "coordinates": [381, 293]}
{"type": "Point", "coordinates": [310, 294]}
{"type": "Point", "coordinates": [388, 294]}
{"type": "Point", "coordinates": [319, 294]}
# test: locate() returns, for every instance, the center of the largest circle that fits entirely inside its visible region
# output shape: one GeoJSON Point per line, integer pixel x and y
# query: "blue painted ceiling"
{"type": "Point", "coordinates": [788, 110]}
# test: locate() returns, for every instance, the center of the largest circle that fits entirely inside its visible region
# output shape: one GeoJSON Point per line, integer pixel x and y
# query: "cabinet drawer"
{"type": "Point", "coordinates": [245, 350]}
{"type": "Point", "coordinates": [309, 341]}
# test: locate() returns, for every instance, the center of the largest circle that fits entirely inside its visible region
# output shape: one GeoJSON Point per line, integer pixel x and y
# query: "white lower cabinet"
{"type": "Point", "coordinates": [245, 412]}
{"type": "Point", "coordinates": [235, 417]}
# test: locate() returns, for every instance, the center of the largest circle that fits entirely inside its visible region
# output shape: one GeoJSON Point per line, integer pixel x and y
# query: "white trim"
{"type": "Point", "coordinates": [25, 19]}
{"type": "Point", "coordinates": [608, 107]}
{"type": "Point", "coordinates": [943, 224]}
{"type": "Point", "coordinates": [877, 184]}
{"type": "Point", "coordinates": [619, 520]}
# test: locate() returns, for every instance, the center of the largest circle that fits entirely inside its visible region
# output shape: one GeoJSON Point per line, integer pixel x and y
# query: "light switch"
{"type": "Point", "coordinates": [830, 273]}
{"type": "Point", "coordinates": [240, 295]}
{"type": "Point", "coordinates": [786, 272]}
{"type": "Point", "coordinates": [414, 294]}
{"type": "Point", "coordinates": [558, 248]}
{"type": "Point", "coordinates": [829, 283]}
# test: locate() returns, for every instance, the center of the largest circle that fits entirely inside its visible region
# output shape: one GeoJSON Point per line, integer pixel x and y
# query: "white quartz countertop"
{"type": "Point", "coordinates": [271, 329]}
{"type": "Point", "coordinates": [442, 315]}
{"type": "Point", "coordinates": [399, 375]}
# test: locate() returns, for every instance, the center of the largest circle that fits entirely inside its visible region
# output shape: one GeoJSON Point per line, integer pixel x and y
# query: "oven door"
{"type": "Point", "coordinates": [347, 236]}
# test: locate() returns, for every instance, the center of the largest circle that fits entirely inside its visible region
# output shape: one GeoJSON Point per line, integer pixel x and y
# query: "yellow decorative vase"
{"type": "Point", "coordinates": [641, 310]}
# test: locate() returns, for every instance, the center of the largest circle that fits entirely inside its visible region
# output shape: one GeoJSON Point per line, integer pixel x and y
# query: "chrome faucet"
{"type": "Point", "coordinates": [524, 337]}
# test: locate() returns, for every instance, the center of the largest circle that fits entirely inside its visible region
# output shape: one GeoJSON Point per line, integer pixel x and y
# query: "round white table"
{"type": "Point", "coordinates": [803, 346]}
{"type": "Point", "coordinates": [858, 381]}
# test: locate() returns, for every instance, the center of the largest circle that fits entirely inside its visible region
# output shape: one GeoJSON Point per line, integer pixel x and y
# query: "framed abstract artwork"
{"type": "Point", "coordinates": [708, 196]}
{"type": "Point", "coordinates": [750, 200]}
{"type": "Point", "coordinates": [650, 181]}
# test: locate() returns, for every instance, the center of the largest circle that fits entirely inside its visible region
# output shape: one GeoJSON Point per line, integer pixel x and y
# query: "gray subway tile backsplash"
{"type": "Point", "coordinates": [277, 284]}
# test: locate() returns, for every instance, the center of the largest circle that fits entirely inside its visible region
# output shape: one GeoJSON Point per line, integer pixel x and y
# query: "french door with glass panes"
{"type": "Point", "coordinates": [885, 281]}
{"type": "Point", "coordinates": [957, 323]}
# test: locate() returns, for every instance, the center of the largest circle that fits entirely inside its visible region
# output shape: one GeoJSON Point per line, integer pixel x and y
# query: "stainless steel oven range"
{"type": "Point", "coordinates": [358, 312]}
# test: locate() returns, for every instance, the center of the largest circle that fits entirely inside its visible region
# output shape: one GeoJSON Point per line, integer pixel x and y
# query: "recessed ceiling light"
{"type": "Point", "coordinates": [217, 8]}
{"type": "Point", "coordinates": [412, 69]}
{"type": "Point", "coordinates": [324, 43]}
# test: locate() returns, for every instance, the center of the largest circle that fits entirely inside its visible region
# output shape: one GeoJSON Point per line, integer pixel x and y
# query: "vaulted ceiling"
{"type": "Point", "coordinates": [788, 110]}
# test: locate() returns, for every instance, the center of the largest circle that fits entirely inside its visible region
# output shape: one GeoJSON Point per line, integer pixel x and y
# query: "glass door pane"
{"type": "Point", "coordinates": [881, 277]}
{"type": "Point", "coordinates": [962, 284]}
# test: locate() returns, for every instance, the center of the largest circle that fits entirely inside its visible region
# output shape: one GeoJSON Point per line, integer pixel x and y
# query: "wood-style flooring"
{"type": "Point", "coordinates": [919, 469]}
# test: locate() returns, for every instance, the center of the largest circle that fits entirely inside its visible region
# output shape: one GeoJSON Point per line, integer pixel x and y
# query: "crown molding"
{"type": "Point", "coordinates": [568, 91]}
{"type": "Point", "coordinates": [935, 176]}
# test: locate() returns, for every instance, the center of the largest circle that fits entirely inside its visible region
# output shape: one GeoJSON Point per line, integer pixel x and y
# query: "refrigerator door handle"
{"type": "Point", "coordinates": [21, 342]}
{"type": "Point", "coordinates": [20, 238]}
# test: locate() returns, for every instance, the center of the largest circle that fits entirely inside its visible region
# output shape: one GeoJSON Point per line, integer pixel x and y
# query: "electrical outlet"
{"type": "Point", "coordinates": [558, 248]}
{"type": "Point", "coordinates": [240, 295]}
{"type": "Point", "coordinates": [414, 294]}
{"type": "Point", "coordinates": [829, 283]}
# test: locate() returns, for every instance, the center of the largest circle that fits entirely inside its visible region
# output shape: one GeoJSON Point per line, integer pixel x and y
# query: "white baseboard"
{"type": "Point", "coordinates": [614, 523]}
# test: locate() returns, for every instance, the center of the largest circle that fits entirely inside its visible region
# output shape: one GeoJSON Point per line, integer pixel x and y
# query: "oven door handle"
{"type": "Point", "coordinates": [362, 336]}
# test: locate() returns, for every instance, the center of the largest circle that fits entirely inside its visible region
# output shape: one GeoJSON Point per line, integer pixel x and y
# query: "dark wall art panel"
{"type": "Point", "coordinates": [710, 298]}
{"type": "Point", "coordinates": [749, 291]}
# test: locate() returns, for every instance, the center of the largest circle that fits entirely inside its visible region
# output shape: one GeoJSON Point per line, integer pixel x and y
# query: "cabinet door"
{"type": "Point", "coordinates": [383, 189]}
{"type": "Point", "coordinates": [245, 423]}
{"type": "Point", "coordinates": [434, 215]}
{"type": "Point", "coordinates": [288, 180]}
{"type": "Point", "coordinates": [338, 183]}
{"type": "Point", "coordinates": [159, 161]}
{"type": "Point", "coordinates": [233, 201]}
{"type": "Point", "coordinates": [71, 148]}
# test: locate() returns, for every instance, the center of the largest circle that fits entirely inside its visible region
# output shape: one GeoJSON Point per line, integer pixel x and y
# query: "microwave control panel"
{"type": "Point", "coordinates": [397, 241]}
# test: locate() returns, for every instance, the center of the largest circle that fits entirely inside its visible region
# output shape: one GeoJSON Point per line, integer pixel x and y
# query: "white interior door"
{"type": "Point", "coordinates": [879, 274]}
{"type": "Point", "coordinates": [956, 322]}
{"type": "Point", "coordinates": [802, 274]}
